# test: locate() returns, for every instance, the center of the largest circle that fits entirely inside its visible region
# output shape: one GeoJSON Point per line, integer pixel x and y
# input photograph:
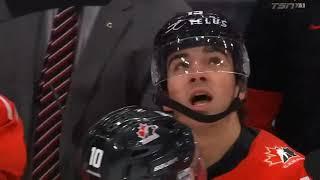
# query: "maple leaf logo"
{"type": "Point", "coordinates": [147, 133]}
{"type": "Point", "coordinates": [278, 155]}
{"type": "Point", "coordinates": [143, 131]}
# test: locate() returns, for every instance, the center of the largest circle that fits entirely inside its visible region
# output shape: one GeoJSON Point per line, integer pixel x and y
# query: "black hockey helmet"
{"type": "Point", "coordinates": [136, 144]}
{"type": "Point", "coordinates": [198, 29]}
{"type": "Point", "coordinates": [193, 29]}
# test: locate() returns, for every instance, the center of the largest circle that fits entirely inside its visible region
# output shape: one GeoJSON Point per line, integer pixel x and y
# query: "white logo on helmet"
{"type": "Point", "coordinates": [163, 113]}
{"type": "Point", "coordinates": [209, 20]}
{"type": "Point", "coordinates": [214, 20]}
{"type": "Point", "coordinates": [177, 25]}
{"type": "Point", "coordinates": [166, 164]}
{"type": "Point", "coordinates": [147, 133]}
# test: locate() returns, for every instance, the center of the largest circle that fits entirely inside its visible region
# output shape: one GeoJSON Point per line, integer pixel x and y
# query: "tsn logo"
{"type": "Point", "coordinates": [283, 6]}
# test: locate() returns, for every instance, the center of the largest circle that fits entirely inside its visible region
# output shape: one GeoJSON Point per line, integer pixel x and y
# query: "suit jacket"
{"type": "Point", "coordinates": [113, 69]}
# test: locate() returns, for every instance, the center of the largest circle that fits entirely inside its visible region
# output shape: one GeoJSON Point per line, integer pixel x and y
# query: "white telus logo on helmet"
{"type": "Point", "coordinates": [211, 19]}
{"type": "Point", "coordinates": [147, 133]}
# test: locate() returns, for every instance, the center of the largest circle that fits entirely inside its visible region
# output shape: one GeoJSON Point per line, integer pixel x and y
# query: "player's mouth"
{"type": "Point", "coordinates": [200, 99]}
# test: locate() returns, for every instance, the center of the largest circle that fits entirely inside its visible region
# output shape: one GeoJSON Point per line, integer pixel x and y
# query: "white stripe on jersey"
{"type": "Point", "coordinates": [8, 107]}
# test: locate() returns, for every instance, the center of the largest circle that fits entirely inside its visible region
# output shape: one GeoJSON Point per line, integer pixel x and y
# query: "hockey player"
{"type": "Point", "coordinates": [200, 69]}
{"type": "Point", "coordinates": [137, 144]}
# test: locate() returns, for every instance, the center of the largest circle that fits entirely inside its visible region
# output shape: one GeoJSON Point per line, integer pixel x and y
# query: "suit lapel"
{"type": "Point", "coordinates": [110, 24]}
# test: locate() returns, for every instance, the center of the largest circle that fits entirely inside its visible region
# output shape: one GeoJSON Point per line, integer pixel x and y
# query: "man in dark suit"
{"type": "Point", "coordinates": [111, 67]}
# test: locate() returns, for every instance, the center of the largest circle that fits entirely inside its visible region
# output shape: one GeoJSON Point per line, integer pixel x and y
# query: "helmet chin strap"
{"type": "Point", "coordinates": [162, 99]}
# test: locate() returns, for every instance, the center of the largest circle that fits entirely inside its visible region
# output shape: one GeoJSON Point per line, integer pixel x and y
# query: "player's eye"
{"type": "Point", "coordinates": [217, 61]}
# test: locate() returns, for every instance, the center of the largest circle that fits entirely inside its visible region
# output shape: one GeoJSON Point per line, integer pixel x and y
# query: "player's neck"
{"type": "Point", "coordinates": [214, 141]}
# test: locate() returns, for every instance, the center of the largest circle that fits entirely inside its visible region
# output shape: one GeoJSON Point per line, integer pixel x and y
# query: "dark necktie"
{"type": "Point", "coordinates": [53, 92]}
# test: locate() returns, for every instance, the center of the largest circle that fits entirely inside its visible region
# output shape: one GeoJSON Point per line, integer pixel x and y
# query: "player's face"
{"type": "Point", "coordinates": [198, 79]}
